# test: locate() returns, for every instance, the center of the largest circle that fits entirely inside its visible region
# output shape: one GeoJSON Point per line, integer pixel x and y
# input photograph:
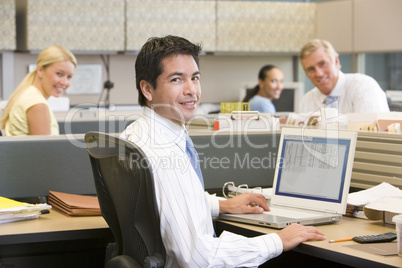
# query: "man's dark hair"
{"type": "Point", "coordinates": [148, 65]}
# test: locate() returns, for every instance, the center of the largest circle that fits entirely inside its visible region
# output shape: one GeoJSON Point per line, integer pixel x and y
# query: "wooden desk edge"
{"type": "Point", "coordinates": [54, 227]}
{"type": "Point", "coordinates": [314, 248]}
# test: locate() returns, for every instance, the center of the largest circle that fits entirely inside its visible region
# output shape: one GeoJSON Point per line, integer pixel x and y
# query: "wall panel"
{"type": "Point", "coordinates": [334, 23]}
{"type": "Point", "coordinates": [258, 26]}
{"type": "Point", "coordinates": [377, 25]}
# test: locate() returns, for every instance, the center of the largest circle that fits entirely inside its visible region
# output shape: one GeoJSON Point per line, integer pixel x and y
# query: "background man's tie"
{"type": "Point", "coordinates": [330, 101]}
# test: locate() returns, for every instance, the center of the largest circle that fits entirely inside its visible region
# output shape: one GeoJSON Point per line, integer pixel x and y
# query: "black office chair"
{"type": "Point", "coordinates": [125, 189]}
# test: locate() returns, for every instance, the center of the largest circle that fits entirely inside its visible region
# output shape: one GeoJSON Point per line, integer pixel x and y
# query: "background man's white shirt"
{"type": "Point", "coordinates": [356, 93]}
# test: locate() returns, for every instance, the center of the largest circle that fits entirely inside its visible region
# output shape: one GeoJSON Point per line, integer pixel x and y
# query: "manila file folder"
{"type": "Point", "coordinates": [74, 204]}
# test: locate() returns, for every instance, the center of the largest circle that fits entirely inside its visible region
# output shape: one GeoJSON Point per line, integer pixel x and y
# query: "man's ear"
{"type": "Point", "coordinates": [147, 90]}
{"type": "Point", "coordinates": [337, 62]}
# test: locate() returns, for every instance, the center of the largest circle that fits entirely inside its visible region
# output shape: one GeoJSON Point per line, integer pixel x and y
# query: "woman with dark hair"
{"type": "Point", "coordinates": [269, 87]}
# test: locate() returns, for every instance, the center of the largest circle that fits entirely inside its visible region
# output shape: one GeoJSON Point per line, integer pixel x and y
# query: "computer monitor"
{"type": "Point", "coordinates": [290, 97]}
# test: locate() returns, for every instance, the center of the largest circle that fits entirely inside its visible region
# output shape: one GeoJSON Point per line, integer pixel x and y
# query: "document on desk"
{"type": "Point", "coordinates": [364, 197]}
{"type": "Point", "coordinates": [383, 249]}
{"type": "Point", "coordinates": [74, 204]}
{"type": "Point", "coordinates": [380, 202]}
{"type": "Point", "coordinates": [12, 210]}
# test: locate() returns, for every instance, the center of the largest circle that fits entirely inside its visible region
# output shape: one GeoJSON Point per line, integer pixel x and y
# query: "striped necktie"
{"type": "Point", "coordinates": [330, 101]}
{"type": "Point", "coordinates": [194, 160]}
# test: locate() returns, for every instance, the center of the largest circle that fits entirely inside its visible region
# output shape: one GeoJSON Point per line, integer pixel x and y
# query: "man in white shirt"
{"type": "Point", "coordinates": [349, 93]}
{"type": "Point", "coordinates": [168, 83]}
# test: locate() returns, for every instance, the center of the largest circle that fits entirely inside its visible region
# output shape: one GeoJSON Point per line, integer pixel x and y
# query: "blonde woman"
{"type": "Point", "coordinates": [27, 111]}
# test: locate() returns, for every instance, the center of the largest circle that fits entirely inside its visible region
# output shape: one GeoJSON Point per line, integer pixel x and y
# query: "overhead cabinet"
{"type": "Point", "coordinates": [90, 25]}
{"type": "Point", "coordinates": [7, 25]}
{"type": "Point", "coordinates": [221, 26]}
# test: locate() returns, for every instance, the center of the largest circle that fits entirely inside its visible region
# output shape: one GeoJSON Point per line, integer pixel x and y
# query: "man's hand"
{"type": "Point", "coordinates": [244, 203]}
{"type": "Point", "coordinates": [294, 234]}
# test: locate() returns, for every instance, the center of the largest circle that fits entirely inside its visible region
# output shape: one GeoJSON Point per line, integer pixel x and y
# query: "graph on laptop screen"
{"type": "Point", "coordinates": [313, 167]}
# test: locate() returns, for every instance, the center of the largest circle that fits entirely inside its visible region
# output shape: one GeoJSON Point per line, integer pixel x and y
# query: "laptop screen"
{"type": "Point", "coordinates": [312, 167]}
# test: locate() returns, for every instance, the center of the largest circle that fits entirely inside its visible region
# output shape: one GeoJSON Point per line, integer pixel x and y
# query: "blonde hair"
{"type": "Point", "coordinates": [315, 44]}
{"type": "Point", "coordinates": [47, 57]}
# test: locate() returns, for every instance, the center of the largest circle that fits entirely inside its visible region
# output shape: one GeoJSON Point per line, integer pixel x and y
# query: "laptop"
{"type": "Point", "coordinates": [312, 179]}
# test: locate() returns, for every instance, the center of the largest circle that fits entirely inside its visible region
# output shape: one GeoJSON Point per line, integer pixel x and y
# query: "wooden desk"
{"type": "Point", "coordinates": [54, 240]}
{"type": "Point", "coordinates": [335, 252]}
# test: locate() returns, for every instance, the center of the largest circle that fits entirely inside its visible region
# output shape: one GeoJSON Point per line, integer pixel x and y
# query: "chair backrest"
{"type": "Point", "coordinates": [125, 189]}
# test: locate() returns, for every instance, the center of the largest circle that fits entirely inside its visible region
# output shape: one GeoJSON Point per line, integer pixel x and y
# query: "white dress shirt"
{"type": "Point", "coordinates": [356, 93]}
{"type": "Point", "coordinates": [185, 210]}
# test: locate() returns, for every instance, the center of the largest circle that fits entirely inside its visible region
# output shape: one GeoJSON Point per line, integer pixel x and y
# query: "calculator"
{"type": "Point", "coordinates": [385, 237]}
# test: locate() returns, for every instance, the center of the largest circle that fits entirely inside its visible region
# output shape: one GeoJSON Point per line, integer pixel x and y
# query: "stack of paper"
{"type": "Point", "coordinates": [74, 205]}
{"type": "Point", "coordinates": [364, 197]}
{"type": "Point", "coordinates": [11, 210]}
{"type": "Point", "coordinates": [379, 202]}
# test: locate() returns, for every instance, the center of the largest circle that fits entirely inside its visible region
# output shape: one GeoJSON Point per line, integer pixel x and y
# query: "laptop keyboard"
{"type": "Point", "coordinates": [291, 213]}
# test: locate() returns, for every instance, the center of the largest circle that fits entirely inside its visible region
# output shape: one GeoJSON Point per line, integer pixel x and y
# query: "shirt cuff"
{"type": "Point", "coordinates": [274, 246]}
{"type": "Point", "coordinates": [213, 204]}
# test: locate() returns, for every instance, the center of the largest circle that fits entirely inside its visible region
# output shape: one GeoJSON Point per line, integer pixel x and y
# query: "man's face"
{"type": "Point", "coordinates": [178, 89]}
{"type": "Point", "coordinates": [321, 70]}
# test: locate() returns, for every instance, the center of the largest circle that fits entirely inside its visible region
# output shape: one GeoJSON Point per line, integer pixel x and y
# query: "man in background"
{"type": "Point", "coordinates": [349, 93]}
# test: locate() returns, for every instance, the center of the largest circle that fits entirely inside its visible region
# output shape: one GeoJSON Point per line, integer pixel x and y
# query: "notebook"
{"type": "Point", "coordinates": [312, 179]}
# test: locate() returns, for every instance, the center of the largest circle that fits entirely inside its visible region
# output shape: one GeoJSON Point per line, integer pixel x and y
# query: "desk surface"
{"type": "Point", "coordinates": [55, 240]}
{"type": "Point", "coordinates": [53, 227]}
{"type": "Point", "coordinates": [336, 252]}
{"type": "Point", "coordinates": [56, 226]}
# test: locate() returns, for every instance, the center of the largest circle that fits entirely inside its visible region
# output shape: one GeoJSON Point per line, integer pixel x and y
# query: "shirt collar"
{"type": "Point", "coordinates": [335, 92]}
{"type": "Point", "coordinates": [338, 89]}
{"type": "Point", "coordinates": [170, 132]}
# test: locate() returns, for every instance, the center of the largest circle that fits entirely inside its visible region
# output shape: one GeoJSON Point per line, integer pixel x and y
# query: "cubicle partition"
{"type": "Point", "coordinates": [247, 158]}
{"type": "Point", "coordinates": [31, 166]}
{"type": "Point", "coordinates": [80, 120]}
{"type": "Point", "coordinates": [84, 126]}
{"type": "Point", "coordinates": [378, 159]}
